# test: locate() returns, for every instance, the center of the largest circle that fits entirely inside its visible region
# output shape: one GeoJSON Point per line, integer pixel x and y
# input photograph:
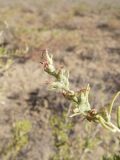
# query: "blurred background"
{"type": "Point", "coordinates": [84, 37]}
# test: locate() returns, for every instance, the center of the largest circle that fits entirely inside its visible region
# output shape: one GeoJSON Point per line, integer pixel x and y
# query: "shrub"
{"type": "Point", "coordinates": [20, 132]}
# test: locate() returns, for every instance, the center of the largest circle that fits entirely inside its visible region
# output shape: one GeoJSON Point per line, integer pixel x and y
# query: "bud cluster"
{"type": "Point", "coordinates": [79, 100]}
